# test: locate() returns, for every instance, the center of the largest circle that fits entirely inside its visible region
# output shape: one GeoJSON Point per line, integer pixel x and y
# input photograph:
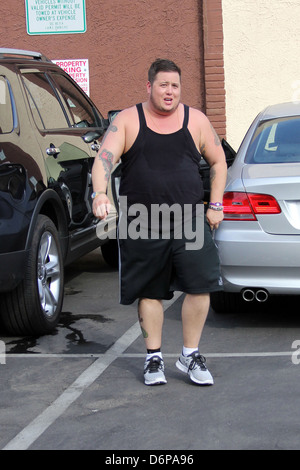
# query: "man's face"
{"type": "Point", "coordinates": [165, 91]}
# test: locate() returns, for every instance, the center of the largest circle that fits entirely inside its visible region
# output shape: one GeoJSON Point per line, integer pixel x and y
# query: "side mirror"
{"type": "Point", "coordinates": [91, 136]}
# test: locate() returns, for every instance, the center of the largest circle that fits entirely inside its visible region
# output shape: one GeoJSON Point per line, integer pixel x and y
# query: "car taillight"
{"type": "Point", "coordinates": [244, 206]}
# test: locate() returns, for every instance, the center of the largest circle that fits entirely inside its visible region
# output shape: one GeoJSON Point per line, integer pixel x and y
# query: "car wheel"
{"type": "Point", "coordinates": [110, 253]}
{"type": "Point", "coordinates": [34, 307]}
{"type": "Point", "coordinates": [227, 302]}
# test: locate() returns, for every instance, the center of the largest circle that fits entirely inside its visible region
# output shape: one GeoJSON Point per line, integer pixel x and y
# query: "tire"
{"type": "Point", "coordinates": [110, 253]}
{"type": "Point", "coordinates": [34, 307]}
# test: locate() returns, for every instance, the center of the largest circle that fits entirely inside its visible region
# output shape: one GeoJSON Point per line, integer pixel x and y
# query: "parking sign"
{"type": "Point", "coordinates": [55, 16]}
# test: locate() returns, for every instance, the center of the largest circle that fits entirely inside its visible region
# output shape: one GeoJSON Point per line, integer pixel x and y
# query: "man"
{"type": "Point", "coordinates": [161, 142]}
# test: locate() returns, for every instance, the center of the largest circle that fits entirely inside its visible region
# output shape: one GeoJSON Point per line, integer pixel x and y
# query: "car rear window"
{"type": "Point", "coordinates": [275, 141]}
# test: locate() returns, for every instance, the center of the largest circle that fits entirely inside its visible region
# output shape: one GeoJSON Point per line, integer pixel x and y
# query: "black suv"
{"type": "Point", "coordinates": [49, 131]}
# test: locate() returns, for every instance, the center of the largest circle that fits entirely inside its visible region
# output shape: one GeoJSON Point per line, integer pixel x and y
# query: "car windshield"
{"type": "Point", "coordinates": [276, 141]}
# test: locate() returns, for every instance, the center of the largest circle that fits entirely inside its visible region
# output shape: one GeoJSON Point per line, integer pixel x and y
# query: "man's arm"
{"type": "Point", "coordinates": [211, 149]}
{"type": "Point", "coordinates": [111, 149]}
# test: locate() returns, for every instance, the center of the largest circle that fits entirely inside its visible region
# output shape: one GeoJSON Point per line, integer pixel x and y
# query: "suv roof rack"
{"type": "Point", "coordinates": [4, 52]}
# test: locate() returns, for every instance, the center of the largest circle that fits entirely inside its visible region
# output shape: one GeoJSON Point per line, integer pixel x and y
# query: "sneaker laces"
{"type": "Point", "coordinates": [197, 361]}
{"type": "Point", "coordinates": [154, 364]}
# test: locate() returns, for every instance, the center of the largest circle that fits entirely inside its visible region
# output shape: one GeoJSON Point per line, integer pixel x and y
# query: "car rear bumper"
{"type": "Point", "coordinates": [12, 268]}
{"type": "Point", "coordinates": [252, 258]}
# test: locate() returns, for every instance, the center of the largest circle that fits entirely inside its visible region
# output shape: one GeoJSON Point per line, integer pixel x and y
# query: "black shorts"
{"type": "Point", "coordinates": [154, 269]}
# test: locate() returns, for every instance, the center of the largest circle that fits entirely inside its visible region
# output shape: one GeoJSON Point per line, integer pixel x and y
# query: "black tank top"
{"type": "Point", "coordinates": [162, 168]}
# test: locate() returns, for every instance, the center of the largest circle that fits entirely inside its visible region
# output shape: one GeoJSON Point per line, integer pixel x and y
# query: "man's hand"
{"type": "Point", "coordinates": [214, 218]}
{"type": "Point", "coordinates": [101, 206]}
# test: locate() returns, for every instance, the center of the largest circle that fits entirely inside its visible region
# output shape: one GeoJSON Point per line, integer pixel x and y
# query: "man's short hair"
{"type": "Point", "coordinates": [162, 65]}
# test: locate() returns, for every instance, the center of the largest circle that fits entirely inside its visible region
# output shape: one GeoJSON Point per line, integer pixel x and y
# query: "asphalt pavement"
{"type": "Point", "coordinates": [81, 388]}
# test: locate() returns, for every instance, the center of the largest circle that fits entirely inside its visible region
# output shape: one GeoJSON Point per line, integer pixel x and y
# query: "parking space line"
{"type": "Point", "coordinates": [132, 355]}
{"type": "Point", "coordinates": [25, 438]}
{"type": "Point", "coordinates": [38, 426]}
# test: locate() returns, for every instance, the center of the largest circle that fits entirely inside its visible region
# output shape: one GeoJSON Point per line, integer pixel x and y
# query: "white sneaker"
{"type": "Point", "coordinates": [154, 371]}
{"type": "Point", "coordinates": [194, 366]}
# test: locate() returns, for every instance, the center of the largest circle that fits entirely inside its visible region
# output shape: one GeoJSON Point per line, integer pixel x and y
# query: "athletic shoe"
{"type": "Point", "coordinates": [194, 366]}
{"type": "Point", "coordinates": [154, 371]}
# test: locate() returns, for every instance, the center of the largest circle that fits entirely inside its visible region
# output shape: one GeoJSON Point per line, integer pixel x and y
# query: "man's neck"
{"type": "Point", "coordinates": [163, 122]}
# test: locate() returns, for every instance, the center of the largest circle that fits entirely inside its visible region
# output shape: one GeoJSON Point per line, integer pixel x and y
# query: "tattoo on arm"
{"type": "Point", "coordinates": [216, 140]}
{"type": "Point", "coordinates": [111, 128]}
{"type": "Point", "coordinates": [107, 161]}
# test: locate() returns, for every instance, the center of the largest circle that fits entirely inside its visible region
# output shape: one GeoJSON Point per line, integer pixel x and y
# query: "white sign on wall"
{"type": "Point", "coordinates": [79, 71]}
{"type": "Point", "coordinates": [55, 16]}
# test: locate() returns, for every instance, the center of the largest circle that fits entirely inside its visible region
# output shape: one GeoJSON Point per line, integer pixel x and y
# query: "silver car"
{"type": "Point", "coordinates": [259, 239]}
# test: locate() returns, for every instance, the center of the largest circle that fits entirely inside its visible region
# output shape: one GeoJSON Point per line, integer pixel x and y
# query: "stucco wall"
{"type": "Point", "coordinates": [123, 37]}
{"type": "Point", "coordinates": [261, 58]}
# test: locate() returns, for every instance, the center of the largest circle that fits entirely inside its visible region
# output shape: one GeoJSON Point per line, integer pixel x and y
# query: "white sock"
{"type": "Point", "coordinates": [149, 355]}
{"type": "Point", "coordinates": [188, 351]}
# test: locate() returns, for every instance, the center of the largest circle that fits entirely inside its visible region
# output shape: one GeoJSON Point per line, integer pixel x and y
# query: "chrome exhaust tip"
{"type": "Point", "coordinates": [261, 295]}
{"type": "Point", "coordinates": [248, 295]}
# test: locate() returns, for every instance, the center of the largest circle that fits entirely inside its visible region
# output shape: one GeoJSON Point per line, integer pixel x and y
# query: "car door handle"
{"type": "Point", "coordinates": [53, 150]}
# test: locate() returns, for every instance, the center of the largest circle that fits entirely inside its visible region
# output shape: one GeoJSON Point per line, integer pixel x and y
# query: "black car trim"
{"type": "Point", "coordinates": [49, 196]}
